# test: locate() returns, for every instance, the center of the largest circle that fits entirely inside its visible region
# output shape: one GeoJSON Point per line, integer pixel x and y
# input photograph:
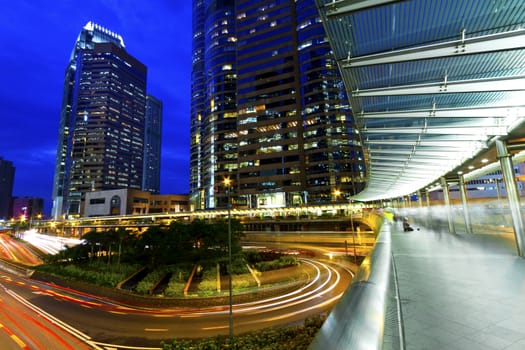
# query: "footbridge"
{"type": "Point", "coordinates": [437, 90]}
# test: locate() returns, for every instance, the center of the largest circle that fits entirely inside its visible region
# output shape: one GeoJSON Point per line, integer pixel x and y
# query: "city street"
{"type": "Point", "coordinates": [34, 309]}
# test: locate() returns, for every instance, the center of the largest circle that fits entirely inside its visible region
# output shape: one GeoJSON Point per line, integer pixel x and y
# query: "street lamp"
{"type": "Point", "coordinates": [227, 183]}
{"type": "Point", "coordinates": [353, 231]}
{"type": "Point", "coordinates": [337, 193]}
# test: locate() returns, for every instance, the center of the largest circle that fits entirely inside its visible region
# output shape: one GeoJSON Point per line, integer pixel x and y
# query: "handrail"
{"type": "Point", "coordinates": [357, 320]}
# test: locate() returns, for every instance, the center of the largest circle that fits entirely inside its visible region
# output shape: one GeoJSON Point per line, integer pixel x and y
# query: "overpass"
{"type": "Point", "coordinates": [437, 90]}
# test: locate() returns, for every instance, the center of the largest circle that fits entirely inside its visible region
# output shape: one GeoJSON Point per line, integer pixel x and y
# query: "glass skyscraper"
{"type": "Point", "coordinates": [152, 145]}
{"type": "Point", "coordinates": [269, 109]}
{"type": "Point", "coordinates": [7, 178]}
{"type": "Point", "coordinates": [101, 133]}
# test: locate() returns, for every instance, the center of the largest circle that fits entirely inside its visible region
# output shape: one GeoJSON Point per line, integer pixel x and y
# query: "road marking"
{"type": "Point", "coordinates": [19, 341]}
{"type": "Point", "coordinates": [118, 312]}
{"type": "Point", "coordinates": [13, 336]}
{"type": "Point", "coordinates": [155, 329]}
{"type": "Point", "coordinates": [212, 328]}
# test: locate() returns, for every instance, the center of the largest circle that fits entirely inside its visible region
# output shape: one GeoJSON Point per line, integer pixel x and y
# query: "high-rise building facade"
{"type": "Point", "coordinates": [213, 107]}
{"type": "Point", "coordinates": [269, 109]}
{"type": "Point", "coordinates": [152, 145]}
{"type": "Point", "coordinates": [101, 135]}
{"type": "Point", "coordinates": [7, 179]}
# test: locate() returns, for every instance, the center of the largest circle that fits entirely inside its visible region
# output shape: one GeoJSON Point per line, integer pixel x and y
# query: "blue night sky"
{"type": "Point", "coordinates": [35, 45]}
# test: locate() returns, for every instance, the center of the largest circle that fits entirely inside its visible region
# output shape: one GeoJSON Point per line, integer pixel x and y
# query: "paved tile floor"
{"type": "Point", "coordinates": [459, 291]}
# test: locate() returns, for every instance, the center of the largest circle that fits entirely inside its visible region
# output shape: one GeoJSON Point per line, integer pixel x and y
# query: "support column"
{"type": "Point", "coordinates": [466, 214]}
{"type": "Point", "coordinates": [422, 212]}
{"type": "Point", "coordinates": [446, 197]}
{"type": "Point", "coordinates": [507, 170]}
{"type": "Point", "coordinates": [428, 212]}
{"type": "Point", "coordinates": [498, 191]}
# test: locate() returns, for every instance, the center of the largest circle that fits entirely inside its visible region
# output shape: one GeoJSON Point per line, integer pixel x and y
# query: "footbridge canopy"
{"type": "Point", "coordinates": [432, 84]}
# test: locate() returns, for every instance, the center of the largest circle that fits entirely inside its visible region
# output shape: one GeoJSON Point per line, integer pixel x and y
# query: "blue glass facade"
{"type": "Point", "coordinates": [290, 138]}
{"type": "Point", "coordinates": [213, 111]}
{"type": "Point", "coordinates": [7, 178]}
{"type": "Point", "coordinates": [152, 145]}
{"type": "Point", "coordinates": [101, 135]}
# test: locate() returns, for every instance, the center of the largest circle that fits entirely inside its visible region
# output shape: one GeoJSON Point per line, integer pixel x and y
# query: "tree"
{"type": "Point", "coordinates": [92, 239]}
{"type": "Point", "coordinates": [153, 243]}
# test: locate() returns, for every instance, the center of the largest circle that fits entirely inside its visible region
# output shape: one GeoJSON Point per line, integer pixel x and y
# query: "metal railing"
{"type": "Point", "coordinates": [357, 321]}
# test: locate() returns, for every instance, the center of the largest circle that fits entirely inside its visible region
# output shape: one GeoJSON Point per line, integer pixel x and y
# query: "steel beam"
{"type": "Point", "coordinates": [474, 112]}
{"type": "Point", "coordinates": [457, 144]}
{"type": "Point", "coordinates": [345, 7]}
{"type": "Point", "coordinates": [463, 46]}
{"type": "Point", "coordinates": [448, 87]}
{"type": "Point", "coordinates": [481, 131]}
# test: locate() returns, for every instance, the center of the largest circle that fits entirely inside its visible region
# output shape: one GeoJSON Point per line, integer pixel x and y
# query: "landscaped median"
{"type": "Point", "coordinates": [285, 276]}
{"type": "Point", "coordinates": [182, 264]}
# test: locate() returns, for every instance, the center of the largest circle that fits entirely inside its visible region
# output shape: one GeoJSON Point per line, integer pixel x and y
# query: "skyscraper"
{"type": "Point", "coordinates": [213, 129]}
{"type": "Point", "coordinates": [269, 109]}
{"type": "Point", "coordinates": [101, 134]}
{"type": "Point", "coordinates": [152, 145]}
{"type": "Point", "coordinates": [7, 178]}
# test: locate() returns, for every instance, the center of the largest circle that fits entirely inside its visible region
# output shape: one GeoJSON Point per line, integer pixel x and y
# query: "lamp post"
{"type": "Point", "coordinates": [353, 231]}
{"type": "Point", "coordinates": [227, 183]}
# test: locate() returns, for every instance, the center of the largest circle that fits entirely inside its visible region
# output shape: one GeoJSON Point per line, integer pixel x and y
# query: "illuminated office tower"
{"type": "Point", "coordinates": [7, 178]}
{"type": "Point", "coordinates": [334, 162]}
{"type": "Point", "coordinates": [197, 188]}
{"type": "Point", "coordinates": [101, 133]}
{"type": "Point", "coordinates": [293, 142]}
{"type": "Point", "coordinates": [213, 129]}
{"type": "Point", "coordinates": [152, 145]}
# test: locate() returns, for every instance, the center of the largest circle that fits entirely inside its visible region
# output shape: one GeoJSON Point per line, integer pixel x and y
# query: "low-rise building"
{"type": "Point", "coordinates": [133, 202]}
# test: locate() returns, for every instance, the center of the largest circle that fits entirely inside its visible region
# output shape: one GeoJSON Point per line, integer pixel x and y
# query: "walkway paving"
{"type": "Point", "coordinates": [459, 291]}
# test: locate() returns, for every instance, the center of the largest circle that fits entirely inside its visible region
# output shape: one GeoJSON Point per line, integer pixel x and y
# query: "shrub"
{"type": "Point", "coordinates": [208, 284]}
{"type": "Point", "coordinates": [297, 338]}
{"type": "Point", "coordinates": [177, 282]}
{"type": "Point", "coordinates": [148, 282]}
{"type": "Point", "coordinates": [252, 256]}
{"type": "Point", "coordinates": [283, 261]}
{"type": "Point", "coordinates": [93, 272]}
{"type": "Point", "coordinates": [242, 282]}
{"type": "Point", "coordinates": [175, 289]}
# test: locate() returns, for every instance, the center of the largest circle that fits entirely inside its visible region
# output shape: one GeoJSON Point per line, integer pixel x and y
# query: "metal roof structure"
{"type": "Point", "coordinates": [432, 85]}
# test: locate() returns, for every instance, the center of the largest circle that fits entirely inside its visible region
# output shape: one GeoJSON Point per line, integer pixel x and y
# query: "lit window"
{"type": "Point", "coordinates": [305, 45]}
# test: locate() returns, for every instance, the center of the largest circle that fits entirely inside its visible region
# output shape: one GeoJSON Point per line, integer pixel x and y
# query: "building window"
{"type": "Point", "coordinates": [115, 205]}
{"type": "Point", "coordinates": [97, 201]}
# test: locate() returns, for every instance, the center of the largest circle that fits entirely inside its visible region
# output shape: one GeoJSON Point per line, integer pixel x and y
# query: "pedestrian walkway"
{"type": "Point", "coordinates": [459, 291]}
